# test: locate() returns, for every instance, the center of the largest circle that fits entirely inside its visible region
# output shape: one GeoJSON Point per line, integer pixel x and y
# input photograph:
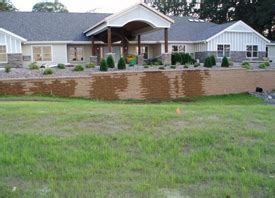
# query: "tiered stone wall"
{"type": "Point", "coordinates": [147, 85]}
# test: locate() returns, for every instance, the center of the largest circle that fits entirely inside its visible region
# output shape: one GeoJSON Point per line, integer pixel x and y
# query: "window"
{"type": "Point", "coordinates": [178, 48]}
{"type": "Point", "coordinates": [251, 51]}
{"type": "Point", "coordinates": [223, 50]}
{"type": "Point", "coordinates": [42, 53]}
{"type": "Point", "coordinates": [76, 54]}
{"type": "Point", "coordinates": [144, 52]}
{"type": "Point", "coordinates": [3, 53]}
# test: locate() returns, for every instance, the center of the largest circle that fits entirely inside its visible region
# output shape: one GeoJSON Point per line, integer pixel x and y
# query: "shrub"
{"type": "Point", "coordinates": [90, 65]}
{"type": "Point", "coordinates": [186, 66]}
{"type": "Point", "coordinates": [7, 68]}
{"type": "Point", "coordinates": [146, 66]}
{"type": "Point", "coordinates": [177, 58]}
{"type": "Point", "coordinates": [262, 66]}
{"type": "Point", "coordinates": [173, 66]}
{"type": "Point", "coordinates": [121, 64]}
{"type": "Point", "coordinates": [246, 65]}
{"type": "Point", "coordinates": [197, 64]}
{"type": "Point", "coordinates": [48, 71]}
{"type": "Point", "coordinates": [79, 68]}
{"type": "Point", "coordinates": [61, 66]}
{"type": "Point", "coordinates": [225, 62]}
{"type": "Point", "coordinates": [213, 60]}
{"type": "Point", "coordinates": [103, 65]}
{"type": "Point", "coordinates": [33, 66]}
{"type": "Point", "coordinates": [207, 62]}
{"type": "Point", "coordinates": [267, 64]}
{"type": "Point", "coordinates": [110, 61]}
{"type": "Point", "coordinates": [162, 68]}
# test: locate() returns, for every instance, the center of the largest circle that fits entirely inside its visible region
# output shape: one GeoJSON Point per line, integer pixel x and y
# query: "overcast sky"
{"type": "Point", "coordinates": [107, 6]}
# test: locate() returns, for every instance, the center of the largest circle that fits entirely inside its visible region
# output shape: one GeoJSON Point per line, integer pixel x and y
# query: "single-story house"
{"type": "Point", "coordinates": [73, 38]}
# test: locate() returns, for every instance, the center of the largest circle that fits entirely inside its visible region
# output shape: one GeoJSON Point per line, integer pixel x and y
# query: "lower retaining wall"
{"type": "Point", "coordinates": [146, 85]}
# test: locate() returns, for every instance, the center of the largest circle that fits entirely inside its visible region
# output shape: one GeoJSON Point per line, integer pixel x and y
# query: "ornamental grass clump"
{"type": "Point", "coordinates": [33, 66]}
{"type": "Point", "coordinates": [61, 66]}
{"type": "Point", "coordinates": [246, 65]}
{"type": "Point", "coordinates": [79, 68]}
{"type": "Point", "coordinates": [7, 68]}
{"type": "Point", "coordinates": [48, 71]}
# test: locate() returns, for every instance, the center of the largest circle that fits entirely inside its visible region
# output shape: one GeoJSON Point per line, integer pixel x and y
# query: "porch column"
{"type": "Point", "coordinates": [166, 57]}
{"type": "Point", "coordinates": [139, 45]}
{"type": "Point", "coordinates": [139, 57]}
{"type": "Point", "coordinates": [109, 33]}
{"type": "Point", "coordinates": [166, 39]}
{"type": "Point", "coordinates": [93, 58]}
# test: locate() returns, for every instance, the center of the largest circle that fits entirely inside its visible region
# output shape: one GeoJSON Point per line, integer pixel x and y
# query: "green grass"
{"type": "Point", "coordinates": [58, 147]}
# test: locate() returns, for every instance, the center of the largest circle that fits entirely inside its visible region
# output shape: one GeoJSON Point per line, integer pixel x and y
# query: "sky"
{"type": "Point", "coordinates": [105, 6]}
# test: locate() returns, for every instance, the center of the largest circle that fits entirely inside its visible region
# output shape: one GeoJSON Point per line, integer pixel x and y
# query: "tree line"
{"type": "Point", "coordinates": [259, 14]}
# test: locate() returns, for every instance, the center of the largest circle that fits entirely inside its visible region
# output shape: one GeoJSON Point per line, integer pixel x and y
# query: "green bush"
{"type": "Point", "coordinates": [225, 62]}
{"type": "Point", "coordinates": [61, 66]}
{"type": "Point", "coordinates": [103, 65]}
{"type": "Point", "coordinates": [176, 58]}
{"type": "Point", "coordinates": [7, 68]}
{"type": "Point", "coordinates": [33, 66]}
{"type": "Point", "coordinates": [263, 66]}
{"type": "Point", "coordinates": [267, 64]}
{"type": "Point", "coordinates": [146, 66]}
{"type": "Point", "coordinates": [79, 68]}
{"type": "Point", "coordinates": [173, 66]}
{"type": "Point", "coordinates": [207, 62]}
{"type": "Point", "coordinates": [213, 60]}
{"type": "Point", "coordinates": [90, 65]}
{"type": "Point", "coordinates": [162, 68]}
{"type": "Point", "coordinates": [246, 65]}
{"type": "Point", "coordinates": [197, 65]}
{"type": "Point", "coordinates": [121, 64]}
{"type": "Point", "coordinates": [48, 71]}
{"type": "Point", "coordinates": [186, 66]}
{"type": "Point", "coordinates": [110, 61]}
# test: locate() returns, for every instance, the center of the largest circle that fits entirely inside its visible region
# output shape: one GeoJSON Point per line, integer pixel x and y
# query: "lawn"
{"type": "Point", "coordinates": [59, 147]}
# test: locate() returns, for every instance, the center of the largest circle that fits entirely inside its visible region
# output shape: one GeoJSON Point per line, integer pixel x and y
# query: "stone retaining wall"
{"type": "Point", "coordinates": [146, 85]}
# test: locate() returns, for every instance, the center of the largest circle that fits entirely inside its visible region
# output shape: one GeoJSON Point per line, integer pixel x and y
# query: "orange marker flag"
{"type": "Point", "coordinates": [178, 111]}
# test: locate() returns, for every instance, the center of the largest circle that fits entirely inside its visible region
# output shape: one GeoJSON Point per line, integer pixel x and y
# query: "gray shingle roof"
{"type": "Point", "coordinates": [69, 27]}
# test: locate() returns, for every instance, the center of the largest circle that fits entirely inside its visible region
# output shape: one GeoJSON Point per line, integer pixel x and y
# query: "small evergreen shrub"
{"type": "Point", "coordinates": [213, 60]}
{"type": "Point", "coordinates": [48, 71]}
{"type": "Point", "coordinates": [121, 64]}
{"type": "Point", "coordinates": [110, 61]}
{"type": "Point", "coordinates": [246, 65]}
{"type": "Point", "coordinates": [79, 68]}
{"type": "Point", "coordinates": [262, 66]}
{"type": "Point", "coordinates": [146, 66]}
{"type": "Point", "coordinates": [178, 58]}
{"type": "Point", "coordinates": [103, 65]}
{"type": "Point", "coordinates": [33, 66]}
{"type": "Point", "coordinates": [173, 66]}
{"type": "Point", "coordinates": [7, 68]}
{"type": "Point", "coordinates": [186, 66]}
{"type": "Point", "coordinates": [61, 66]}
{"type": "Point", "coordinates": [225, 62]}
{"type": "Point", "coordinates": [90, 65]}
{"type": "Point", "coordinates": [207, 62]}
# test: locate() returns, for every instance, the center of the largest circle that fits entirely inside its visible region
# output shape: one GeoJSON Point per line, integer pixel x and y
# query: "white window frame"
{"type": "Point", "coordinates": [252, 51]}
{"type": "Point", "coordinates": [82, 54]}
{"type": "Point", "coordinates": [178, 46]}
{"type": "Point", "coordinates": [33, 60]}
{"type": "Point", "coordinates": [223, 54]}
{"type": "Point", "coordinates": [3, 44]}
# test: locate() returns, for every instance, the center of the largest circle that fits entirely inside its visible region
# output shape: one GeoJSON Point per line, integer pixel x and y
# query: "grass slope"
{"type": "Point", "coordinates": [58, 147]}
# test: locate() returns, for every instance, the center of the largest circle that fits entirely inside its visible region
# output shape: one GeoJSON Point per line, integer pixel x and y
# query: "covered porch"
{"type": "Point", "coordinates": [115, 34]}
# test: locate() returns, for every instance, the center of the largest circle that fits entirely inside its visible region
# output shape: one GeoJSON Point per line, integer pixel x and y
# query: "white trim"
{"type": "Point", "coordinates": [4, 44]}
{"type": "Point", "coordinates": [234, 24]}
{"type": "Point", "coordinates": [271, 44]}
{"type": "Point", "coordinates": [60, 42]}
{"type": "Point", "coordinates": [12, 34]}
{"type": "Point", "coordinates": [42, 61]}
